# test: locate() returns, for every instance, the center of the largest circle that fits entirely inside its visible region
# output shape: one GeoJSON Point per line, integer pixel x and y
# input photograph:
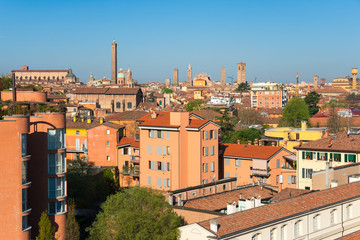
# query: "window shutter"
{"type": "Point", "coordinates": [303, 173]}
{"type": "Point", "coordinates": [206, 135]}
{"type": "Point", "coordinates": [122, 151]}
{"type": "Point", "coordinates": [149, 149]}
{"type": "Point", "coordinates": [167, 135]}
{"type": "Point", "coordinates": [158, 150]}
{"type": "Point", "coordinates": [162, 134]}
{"type": "Point", "coordinates": [215, 134]}
{"type": "Point", "coordinates": [326, 156]}
{"type": "Point", "coordinates": [129, 151]}
{"type": "Point", "coordinates": [303, 155]}
{"type": "Point", "coordinates": [289, 179]}
{"type": "Point", "coordinates": [164, 150]}
{"type": "Point", "coordinates": [318, 156]}
{"type": "Point", "coordinates": [346, 157]}
{"type": "Point", "coordinates": [212, 150]}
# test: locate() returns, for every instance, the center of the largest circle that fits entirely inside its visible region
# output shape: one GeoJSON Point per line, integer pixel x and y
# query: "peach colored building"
{"type": "Point", "coordinates": [33, 175]}
{"type": "Point", "coordinates": [177, 150]}
{"type": "Point", "coordinates": [254, 163]}
{"type": "Point", "coordinates": [128, 160]}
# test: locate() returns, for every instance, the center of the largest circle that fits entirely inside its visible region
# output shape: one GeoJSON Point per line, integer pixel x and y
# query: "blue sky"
{"type": "Point", "coordinates": [275, 38]}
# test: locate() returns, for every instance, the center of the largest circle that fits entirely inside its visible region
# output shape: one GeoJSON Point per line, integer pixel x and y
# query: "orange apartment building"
{"type": "Point", "coordinates": [129, 162]}
{"type": "Point", "coordinates": [33, 174]}
{"type": "Point", "coordinates": [93, 140]}
{"type": "Point", "coordinates": [253, 163]}
{"type": "Point", "coordinates": [177, 150]}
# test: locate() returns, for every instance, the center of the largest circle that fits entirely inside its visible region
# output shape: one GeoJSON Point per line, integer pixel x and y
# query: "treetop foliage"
{"type": "Point", "coordinates": [294, 112]}
{"type": "Point", "coordinates": [194, 105]}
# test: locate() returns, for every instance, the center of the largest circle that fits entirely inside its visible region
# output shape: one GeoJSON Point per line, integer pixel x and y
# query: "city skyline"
{"type": "Point", "coordinates": [275, 39]}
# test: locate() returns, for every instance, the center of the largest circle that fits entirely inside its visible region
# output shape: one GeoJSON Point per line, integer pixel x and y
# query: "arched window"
{"type": "Point", "coordinates": [333, 216]}
{"type": "Point", "coordinates": [297, 228]}
{"type": "Point", "coordinates": [53, 77]}
{"type": "Point", "coordinates": [316, 222]}
{"type": "Point", "coordinates": [44, 77]}
{"type": "Point", "coordinates": [26, 77]}
{"type": "Point", "coordinates": [273, 234]}
{"type": "Point", "coordinates": [256, 236]}
{"type": "Point", "coordinates": [283, 233]}
{"type": "Point", "coordinates": [348, 211]}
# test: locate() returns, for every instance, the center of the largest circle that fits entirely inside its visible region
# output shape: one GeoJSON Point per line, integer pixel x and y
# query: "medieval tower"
{"type": "Point", "coordinates": [222, 81]}
{"type": "Point", "coordinates": [176, 76]}
{"type": "Point", "coordinates": [241, 73]}
{"type": "Point", "coordinates": [113, 60]}
{"type": "Point", "coordinates": [189, 75]}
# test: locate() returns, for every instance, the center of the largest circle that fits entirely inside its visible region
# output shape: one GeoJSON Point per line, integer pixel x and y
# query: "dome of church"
{"type": "Point", "coordinates": [70, 75]}
{"type": "Point", "coordinates": [121, 75]}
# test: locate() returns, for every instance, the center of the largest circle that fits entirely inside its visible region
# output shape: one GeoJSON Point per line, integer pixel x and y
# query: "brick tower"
{"type": "Point", "coordinates": [176, 76]}
{"type": "Point", "coordinates": [113, 60]}
{"type": "Point", "coordinates": [241, 72]}
{"type": "Point", "coordinates": [189, 75]}
{"type": "Point", "coordinates": [316, 81]}
{"type": "Point", "coordinates": [222, 77]}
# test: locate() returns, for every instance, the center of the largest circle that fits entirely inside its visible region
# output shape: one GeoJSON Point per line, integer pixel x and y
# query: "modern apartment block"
{"type": "Point", "coordinates": [268, 95]}
{"type": "Point", "coordinates": [33, 174]}
{"type": "Point", "coordinates": [336, 150]}
{"type": "Point", "coordinates": [177, 150]}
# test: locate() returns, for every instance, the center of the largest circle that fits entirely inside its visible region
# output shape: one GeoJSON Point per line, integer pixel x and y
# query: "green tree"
{"type": "Point", "coordinates": [334, 121]}
{"type": "Point", "coordinates": [294, 112]}
{"type": "Point", "coordinates": [311, 100]}
{"type": "Point", "coordinates": [135, 213]}
{"type": "Point", "coordinates": [6, 81]}
{"type": "Point", "coordinates": [72, 227]}
{"type": "Point", "coordinates": [194, 105]}
{"type": "Point", "coordinates": [243, 87]}
{"type": "Point", "coordinates": [333, 103]}
{"type": "Point", "coordinates": [166, 90]}
{"type": "Point", "coordinates": [227, 124]}
{"type": "Point", "coordinates": [46, 230]}
{"type": "Point", "coordinates": [244, 135]}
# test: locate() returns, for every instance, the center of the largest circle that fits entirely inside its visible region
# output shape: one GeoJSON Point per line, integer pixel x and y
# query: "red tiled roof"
{"type": "Point", "coordinates": [131, 141]}
{"type": "Point", "coordinates": [249, 151]}
{"type": "Point", "coordinates": [330, 90]}
{"type": "Point", "coordinates": [207, 114]}
{"type": "Point", "coordinates": [288, 193]}
{"type": "Point", "coordinates": [162, 120]}
{"type": "Point", "coordinates": [338, 142]}
{"type": "Point", "coordinates": [219, 201]}
{"type": "Point", "coordinates": [352, 236]}
{"type": "Point", "coordinates": [129, 115]}
{"type": "Point", "coordinates": [85, 125]}
{"type": "Point", "coordinates": [196, 123]}
{"type": "Point", "coordinates": [241, 221]}
{"type": "Point", "coordinates": [107, 91]}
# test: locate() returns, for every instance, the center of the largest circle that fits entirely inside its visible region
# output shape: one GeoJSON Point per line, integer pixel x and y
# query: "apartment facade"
{"type": "Point", "coordinates": [177, 150]}
{"type": "Point", "coordinates": [338, 150]}
{"type": "Point", "coordinates": [327, 214]}
{"type": "Point", "coordinates": [36, 147]}
{"type": "Point", "coordinates": [267, 95]}
{"type": "Point", "coordinates": [258, 163]}
{"type": "Point", "coordinates": [128, 159]}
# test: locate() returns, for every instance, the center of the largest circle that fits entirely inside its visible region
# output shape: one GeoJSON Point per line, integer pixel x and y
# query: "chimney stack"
{"type": "Point", "coordinates": [249, 142]}
{"type": "Point", "coordinates": [273, 144]}
{"type": "Point", "coordinates": [238, 141]}
{"type": "Point", "coordinates": [260, 143]}
{"type": "Point", "coordinates": [213, 225]}
{"type": "Point", "coordinates": [153, 115]}
{"type": "Point", "coordinates": [101, 120]}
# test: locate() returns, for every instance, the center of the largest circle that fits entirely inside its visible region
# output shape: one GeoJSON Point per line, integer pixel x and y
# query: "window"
{"type": "Point", "coordinates": [307, 173]}
{"type": "Point", "coordinates": [158, 150]}
{"type": "Point", "coordinates": [56, 163]}
{"type": "Point", "coordinates": [129, 105]}
{"type": "Point", "coordinates": [291, 179]}
{"type": "Point", "coordinates": [23, 144]}
{"type": "Point", "coordinates": [56, 187]}
{"type": "Point", "coordinates": [107, 131]}
{"type": "Point", "coordinates": [152, 165]}
{"type": "Point", "coordinates": [350, 157]}
{"type": "Point", "coordinates": [256, 237]}
{"type": "Point", "coordinates": [158, 182]}
{"type": "Point", "coordinates": [333, 216]}
{"type": "Point", "coordinates": [24, 172]}
{"type": "Point", "coordinates": [212, 166]}
{"type": "Point", "coordinates": [227, 161]}
{"type": "Point", "coordinates": [337, 157]}
{"type": "Point", "coordinates": [205, 167]}
{"type": "Point", "coordinates": [118, 105]}
{"type": "Point", "coordinates": [168, 150]}
{"type": "Point", "coordinates": [151, 133]}
{"type": "Point", "coordinates": [348, 211]}
{"type": "Point", "coordinates": [206, 135]}
{"type": "Point", "coordinates": [25, 222]}
{"type": "Point", "coordinates": [205, 151]}
{"type": "Point", "coordinates": [108, 143]}
{"type": "Point", "coordinates": [56, 139]}
{"type": "Point", "coordinates": [297, 228]}
{"type": "Point", "coordinates": [107, 158]}
{"type": "Point", "coordinates": [57, 207]}
{"type": "Point", "coordinates": [160, 134]}
{"type": "Point", "coordinates": [158, 166]}
{"type": "Point", "coordinates": [316, 222]}
{"type": "Point", "coordinates": [322, 156]}
{"type": "Point", "coordinates": [149, 180]}
{"type": "Point", "coordinates": [149, 149]}
{"type": "Point", "coordinates": [238, 163]}
{"type": "Point", "coordinates": [283, 233]}
{"type": "Point", "coordinates": [24, 200]}
{"type": "Point", "coordinates": [227, 174]}
{"type": "Point", "coordinates": [272, 234]}
{"type": "Point", "coordinates": [212, 150]}
{"type": "Point", "coordinates": [164, 151]}
{"type": "Point", "coordinates": [167, 135]}
{"type": "Point", "coordinates": [77, 132]}
{"type": "Point", "coordinates": [211, 134]}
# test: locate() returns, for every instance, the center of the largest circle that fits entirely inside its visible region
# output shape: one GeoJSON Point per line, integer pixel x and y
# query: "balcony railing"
{"type": "Point", "coordinates": [260, 173]}
{"type": "Point", "coordinates": [134, 159]}
{"type": "Point", "coordinates": [131, 171]}
{"type": "Point", "coordinates": [83, 149]}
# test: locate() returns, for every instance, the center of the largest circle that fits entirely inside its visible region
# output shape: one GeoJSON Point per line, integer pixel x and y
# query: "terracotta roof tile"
{"type": "Point", "coordinates": [248, 151]}
{"type": "Point", "coordinates": [288, 193]}
{"type": "Point", "coordinates": [131, 141]}
{"type": "Point", "coordinates": [196, 123]}
{"type": "Point", "coordinates": [352, 236]}
{"type": "Point", "coordinates": [207, 114]}
{"type": "Point", "coordinates": [129, 115]}
{"type": "Point", "coordinates": [219, 201]}
{"type": "Point", "coordinates": [338, 142]}
{"type": "Point", "coordinates": [162, 120]}
{"type": "Point", "coordinates": [241, 221]}
{"type": "Point", "coordinates": [85, 125]}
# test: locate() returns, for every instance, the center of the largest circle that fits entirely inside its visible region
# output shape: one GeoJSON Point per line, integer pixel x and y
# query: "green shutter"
{"type": "Point", "coordinates": [303, 155]}
{"type": "Point", "coordinates": [346, 156]}
{"type": "Point", "coordinates": [318, 156]}
{"type": "Point", "coordinates": [331, 156]}
{"type": "Point", "coordinates": [326, 156]}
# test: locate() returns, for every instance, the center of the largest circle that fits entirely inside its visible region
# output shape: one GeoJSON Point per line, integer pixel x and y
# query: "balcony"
{"type": "Point", "coordinates": [134, 159]}
{"type": "Point", "coordinates": [260, 173]}
{"type": "Point", "coordinates": [132, 171]}
{"type": "Point", "coordinates": [82, 149]}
